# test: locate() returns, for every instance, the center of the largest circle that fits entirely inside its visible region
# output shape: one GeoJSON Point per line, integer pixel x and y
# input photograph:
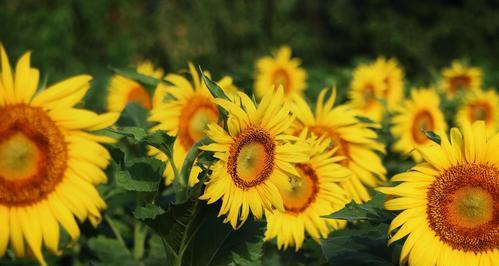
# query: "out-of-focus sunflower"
{"type": "Point", "coordinates": [49, 162]}
{"type": "Point", "coordinates": [186, 114]}
{"type": "Point", "coordinates": [366, 90]}
{"type": "Point", "coordinates": [255, 156]}
{"type": "Point", "coordinates": [355, 140]}
{"type": "Point", "coordinates": [122, 90]}
{"type": "Point", "coordinates": [459, 77]}
{"type": "Point", "coordinates": [280, 70]}
{"type": "Point", "coordinates": [393, 79]}
{"type": "Point", "coordinates": [314, 193]}
{"type": "Point", "coordinates": [419, 113]}
{"type": "Point", "coordinates": [480, 105]}
{"type": "Point", "coordinates": [449, 202]}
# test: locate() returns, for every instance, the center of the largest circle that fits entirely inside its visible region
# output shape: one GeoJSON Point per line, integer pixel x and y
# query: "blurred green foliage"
{"type": "Point", "coordinates": [71, 37]}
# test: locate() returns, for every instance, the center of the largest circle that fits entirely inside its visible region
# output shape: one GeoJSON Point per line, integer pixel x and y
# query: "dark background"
{"type": "Point", "coordinates": [226, 37]}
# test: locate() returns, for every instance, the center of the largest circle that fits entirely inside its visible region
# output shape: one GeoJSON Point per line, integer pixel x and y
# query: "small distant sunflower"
{"type": "Point", "coordinates": [366, 90]}
{"type": "Point", "coordinates": [280, 70]}
{"type": "Point", "coordinates": [355, 140]}
{"type": "Point", "coordinates": [314, 193]}
{"type": "Point", "coordinates": [186, 115]}
{"type": "Point", "coordinates": [449, 203]}
{"type": "Point", "coordinates": [419, 113]}
{"type": "Point", "coordinates": [393, 78]}
{"type": "Point", "coordinates": [461, 78]}
{"type": "Point", "coordinates": [49, 163]}
{"type": "Point", "coordinates": [255, 156]}
{"type": "Point", "coordinates": [480, 105]}
{"type": "Point", "coordinates": [123, 90]}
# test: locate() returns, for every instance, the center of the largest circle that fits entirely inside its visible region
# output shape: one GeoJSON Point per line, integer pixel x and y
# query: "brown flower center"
{"type": "Point", "coordinates": [33, 155]}
{"type": "Point", "coordinates": [194, 118]}
{"type": "Point", "coordinates": [461, 82]}
{"type": "Point", "coordinates": [281, 77]}
{"type": "Point", "coordinates": [139, 95]}
{"type": "Point", "coordinates": [480, 111]}
{"type": "Point", "coordinates": [463, 207]}
{"type": "Point", "coordinates": [251, 157]}
{"type": "Point", "coordinates": [304, 190]}
{"type": "Point", "coordinates": [423, 121]}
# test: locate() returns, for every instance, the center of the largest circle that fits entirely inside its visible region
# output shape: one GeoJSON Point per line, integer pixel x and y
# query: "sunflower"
{"type": "Point", "coordinates": [280, 70]}
{"type": "Point", "coordinates": [255, 155]}
{"type": "Point", "coordinates": [315, 192]}
{"type": "Point", "coordinates": [186, 114]}
{"type": "Point", "coordinates": [460, 78]}
{"type": "Point", "coordinates": [393, 79]}
{"type": "Point", "coordinates": [366, 89]}
{"type": "Point", "coordinates": [480, 105]}
{"type": "Point", "coordinates": [123, 90]}
{"type": "Point", "coordinates": [449, 202]}
{"type": "Point", "coordinates": [49, 163]}
{"type": "Point", "coordinates": [419, 113]}
{"type": "Point", "coordinates": [355, 140]}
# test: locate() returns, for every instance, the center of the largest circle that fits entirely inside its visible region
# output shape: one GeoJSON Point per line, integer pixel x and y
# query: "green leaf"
{"type": "Point", "coordinates": [364, 244]}
{"type": "Point", "coordinates": [133, 74]}
{"type": "Point", "coordinates": [111, 252]}
{"type": "Point", "coordinates": [215, 90]}
{"type": "Point", "coordinates": [143, 175]}
{"type": "Point", "coordinates": [134, 115]}
{"type": "Point", "coordinates": [372, 210]}
{"type": "Point", "coordinates": [149, 211]}
{"type": "Point", "coordinates": [432, 136]}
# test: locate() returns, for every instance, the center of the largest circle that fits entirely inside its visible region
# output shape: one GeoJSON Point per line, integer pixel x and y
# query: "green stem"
{"type": "Point", "coordinates": [114, 229]}
{"type": "Point", "coordinates": [139, 233]}
{"type": "Point", "coordinates": [185, 240]}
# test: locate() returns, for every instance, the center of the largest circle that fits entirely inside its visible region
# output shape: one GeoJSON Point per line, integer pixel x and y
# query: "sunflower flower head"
{"type": "Point", "coordinates": [393, 79]}
{"type": "Point", "coordinates": [416, 115]}
{"type": "Point", "coordinates": [459, 77]}
{"type": "Point", "coordinates": [366, 91]}
{"type": "Point", "coordinates": [50, 161]}
{"type": "Point", "coordinates": [355, 139]}
{"type": "Point", "coordinates": [448, 203]}
{"type": "Point", "coordinates": [314, 193]}
{"type": "Point", "coordinates": [480, 105]}
{"type": "Point", "coordinates": [122, 90]}
{"type": "Point", "coordinates": [186, 112]}
{"type": "Point", "coordinates": [280, 70]}
{"type": "Point", "coordinates": [255, 156]}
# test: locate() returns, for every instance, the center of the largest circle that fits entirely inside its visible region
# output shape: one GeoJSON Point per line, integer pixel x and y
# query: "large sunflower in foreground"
{"type": "Point", "coordinates": [314, 193]}
{"type": "Point", "coordinates": [280, 70]}
{"type": "Point", "coordinates": [123, 91]}
{"type": "Point", "coordinates": [480, 105]}
{"type": "Point", "coordinates": [450, 201]}
{"type": "Point", "coordinates": [256, 157]}
{"type": "Point", "coordinates": [419, 113]}
{"type": "Point", "coordinates": [49, 163]}
{"type": "Point", "coordinates": [366, 91]}
{"type": "Point", "coordinates": [355, 140]}
{"type": "Point", "coordinates": [393, 79]}
{"type": "Point", "coordinates": [186, 114]}
{"type": "Point", "coordinates": [459, 77]}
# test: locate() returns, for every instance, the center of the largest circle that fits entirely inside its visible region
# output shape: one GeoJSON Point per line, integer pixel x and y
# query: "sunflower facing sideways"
{"type": "Point", "coordinates": [186, 115]}
{"type": "Point", "coordinates": [355, 140]}
{"type": "Point", "coordinates": [315, 192]}
{"type": "Point", "coordinates": [256, 157]}
{"type": "Point", "coordinates": [449, 203]}
{"type": "Point", "coordinates": [459, 77]}
{"type": "Point", "coordinates": [419, 113]}
{"type": "Point", "coordinates": [393, 78]}
{"type": "Point", "coordinates": [480, 105]}
{"type": "Point", "coordinates": [280, 70]}
{"type": "Point", "coordinates": [49, 162]}
{"type": "Point", "coordinates": [123, 91]}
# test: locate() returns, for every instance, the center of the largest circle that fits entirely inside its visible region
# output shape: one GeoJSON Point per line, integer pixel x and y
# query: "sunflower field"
{"type": "Point", "coordinates": [144, 133]}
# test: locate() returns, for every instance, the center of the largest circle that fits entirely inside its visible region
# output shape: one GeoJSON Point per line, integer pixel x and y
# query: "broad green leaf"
{"type": "Point", "coordinates": [149, 211]}
{"type": "Point", "coordinates": [372, 210]}
{"type": "Point", "coordinates": [111, 252]}
{"type": "Point", "coordinates": [142, 175]}
{"type": "Point", "coordinates": [134, 115]}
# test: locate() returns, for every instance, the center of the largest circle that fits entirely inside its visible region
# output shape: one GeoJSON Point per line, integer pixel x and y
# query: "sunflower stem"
{"type": "Point", "coordinates": [139, 232]}
{"type": "Point", "coordinates": [114, 229]}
